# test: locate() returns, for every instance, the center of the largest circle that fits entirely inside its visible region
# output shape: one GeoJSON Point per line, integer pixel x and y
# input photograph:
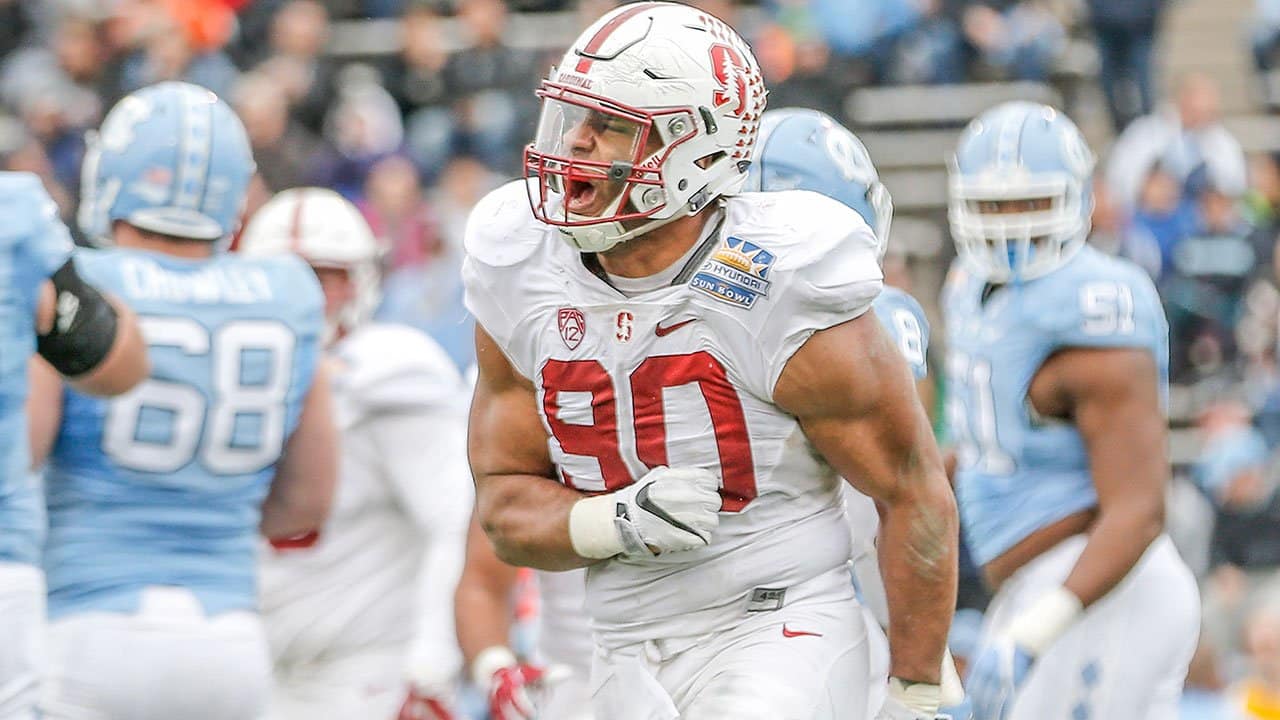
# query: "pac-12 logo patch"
{"type": "Point", "coordinates": [573, 326]}
{"type": "Point", "coordinates": [736, 273]}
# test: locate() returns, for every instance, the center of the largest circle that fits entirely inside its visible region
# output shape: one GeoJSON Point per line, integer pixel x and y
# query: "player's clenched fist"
{"type": "Point", "coordinates": [667, 510]}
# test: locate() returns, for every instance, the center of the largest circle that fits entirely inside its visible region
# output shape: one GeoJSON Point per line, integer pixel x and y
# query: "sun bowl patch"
{"type": "Point", "coordinates": [736, 273]}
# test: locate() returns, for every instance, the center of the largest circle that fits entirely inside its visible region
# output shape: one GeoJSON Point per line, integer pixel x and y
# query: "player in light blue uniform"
{"type": "Point", "coordinates": [46, 308]}
{"type": "Point", "coordinates": [1057, 367]}
{"type": "Point", "coordinates": [802, 149]}
{"type": "Point", "coordinates": [156, 499]}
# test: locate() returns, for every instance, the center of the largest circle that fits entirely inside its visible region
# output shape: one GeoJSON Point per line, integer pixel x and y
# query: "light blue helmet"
{"type": "Point", "coordinates": [170, 158]}
{"type": "Point", "coordinates": [1020, 151]}
{"type": "Point", "coordinates": [803, 149]}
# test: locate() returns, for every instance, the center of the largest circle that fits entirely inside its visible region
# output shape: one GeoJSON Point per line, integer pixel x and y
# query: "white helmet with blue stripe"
{"type": "Point", "coordinates": [170, 158]}
{"type": "Point", "coordinates": [801, 149]}
{"type": "Point", "coordinates": [1020, 192]}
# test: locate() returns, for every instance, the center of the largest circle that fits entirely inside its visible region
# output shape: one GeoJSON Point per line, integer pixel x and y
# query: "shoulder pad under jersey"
{"type": "Point", "coordinates": [501, 229]}
{"type": "Point", "coordinates": [385, 368]}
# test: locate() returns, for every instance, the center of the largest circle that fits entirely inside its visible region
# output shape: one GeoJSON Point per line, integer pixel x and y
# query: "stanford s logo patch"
{"type": "Point", "coordinates": [573, 326]}
{"type": "Point", "coordinates": [731, 73]}
{"type": "Point", "coordinates": [625, 323]}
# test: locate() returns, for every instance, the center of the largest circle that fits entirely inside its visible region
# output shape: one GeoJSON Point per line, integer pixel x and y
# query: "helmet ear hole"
{"type": "Point", "coordinates": [707, 161]}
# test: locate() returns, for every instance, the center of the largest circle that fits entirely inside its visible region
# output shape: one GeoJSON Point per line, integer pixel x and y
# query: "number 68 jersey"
{"type": "Point", "coordinates": [164, 484]}
{"type": "Point", "coordinates": [683, 376]}
{"type": "Point", "coordinates": [1018, 472]}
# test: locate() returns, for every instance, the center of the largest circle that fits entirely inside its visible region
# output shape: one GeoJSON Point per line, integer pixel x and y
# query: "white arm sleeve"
{"type": "Point", "coordinates": [424, 454]}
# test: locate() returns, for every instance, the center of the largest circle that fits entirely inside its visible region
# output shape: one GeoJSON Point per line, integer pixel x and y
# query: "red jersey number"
{"type": "Point", "coordinates": [648, 382]}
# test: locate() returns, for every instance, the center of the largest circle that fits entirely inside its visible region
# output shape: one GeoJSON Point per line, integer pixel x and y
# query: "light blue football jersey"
{"type": "Point", "coordinates": [905, 320]}
{"type": "Point", "coordinates": [164, 485]}
{"type": "Point", "coordinates": [1017, 472]}
{"type": "Point", "coordinates": [33, 244]}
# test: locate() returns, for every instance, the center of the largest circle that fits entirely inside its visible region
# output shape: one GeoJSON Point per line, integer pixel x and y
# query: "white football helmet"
{"type": "Point", "coordinates": [652, 114]}
{"type": "Point", "coordinates": [324, 229]}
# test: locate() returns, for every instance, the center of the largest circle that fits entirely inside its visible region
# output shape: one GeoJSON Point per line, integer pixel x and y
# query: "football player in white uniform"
{"type": "Point", "coordinates": [673, 378]}
{"type": "Point", "coordinates": [345, 622]}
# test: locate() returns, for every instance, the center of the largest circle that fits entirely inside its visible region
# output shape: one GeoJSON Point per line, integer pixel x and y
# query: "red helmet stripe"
{"type": "Point", "coordinates": [597, 40]}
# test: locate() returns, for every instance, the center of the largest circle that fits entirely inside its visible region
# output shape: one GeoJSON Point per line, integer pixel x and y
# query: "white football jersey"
{"type": "Point", "coordinates": [684, 376]}
{"type": "Point", "coordinates": [382, 573]}
{"type": "Point", "coordinates": [564, 633]}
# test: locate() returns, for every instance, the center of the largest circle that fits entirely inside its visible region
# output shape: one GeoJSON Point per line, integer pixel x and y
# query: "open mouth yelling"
{"type": "Point", "coordinates": [581, 196]}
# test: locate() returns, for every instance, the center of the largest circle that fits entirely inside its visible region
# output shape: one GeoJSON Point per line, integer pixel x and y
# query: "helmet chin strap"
{"type": "Point", "coordinates": [600, 237]}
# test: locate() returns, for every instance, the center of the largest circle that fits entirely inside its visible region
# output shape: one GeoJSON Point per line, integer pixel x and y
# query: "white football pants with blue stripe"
{"type": "Point", "coordinates": [1126, 657]}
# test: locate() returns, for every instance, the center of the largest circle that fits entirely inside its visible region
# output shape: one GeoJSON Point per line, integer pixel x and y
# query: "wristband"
{"type": "Point", "coordinates": [489, 661]}
{"type": "Point", "coordinates": [1035, 628]}
{"type": "Point", "coordinates": [592, 530]}
{"type": "Point", "coordinates": [922, 698]}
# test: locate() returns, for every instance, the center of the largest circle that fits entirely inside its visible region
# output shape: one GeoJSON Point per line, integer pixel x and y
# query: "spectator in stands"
{"type": "Point", "coordinates": [1185, 137]}
{"type": "Point", "coordinates": [489, 83]}
{"type": "Point", "coordinates": [72, 67]}
{"type": "Point", "coordinates": [297, 64]}
{"type": "Point", "coordinates": [1262, 207]}
{"type": "Point", "coordinates": [415, 78]}
{"type": "Point", "coordinates": [797, 69]}
{"type": "Point", "coordinates": [1257, 696]}
{"type": "Point", "coordinates": [1203, 287]}
{"type": "Point", "coordinates": [1162, 218]}
{"type": "Point", "coordinates": [169, 52]}
{"type": "Point", "coordinates": [1237, 473]}
{"type": "Point", "coordinates": [288, 155]}
{"type": "Point", "coordinates": [363, 126]}
{"type": "Point", "coordinates": [429, 296]}
{"type": "Point", "coordinates": [399, 215]}
{"type": "Point", "coordinates": [1125, 32]}
{"type": "Point", "coordinates": [1265, 37]}
{"type": "Point", "coordinates": [1013, 39]}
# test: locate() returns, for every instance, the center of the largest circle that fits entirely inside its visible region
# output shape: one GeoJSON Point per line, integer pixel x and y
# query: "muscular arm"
{"type": "Point", "coordinates": [522, 509]}
{"type": "Point", "coordinates": [307, 473]}
{"type": "Point", "coordinates": [857, 405]}
{"type": "Point", "coordinates": [1112, 397]}
{"type": "Point", "coordinates": [85, 329]}
{"type": "Point", "coordinates": [482, 605]}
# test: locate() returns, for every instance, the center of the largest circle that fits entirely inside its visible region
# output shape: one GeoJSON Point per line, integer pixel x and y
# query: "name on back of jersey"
{"type": "Point", "coordinates": [145, 279]}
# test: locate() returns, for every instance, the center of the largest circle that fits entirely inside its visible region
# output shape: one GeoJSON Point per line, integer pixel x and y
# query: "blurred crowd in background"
{"type": "Point", "coordinates": [417, 126]}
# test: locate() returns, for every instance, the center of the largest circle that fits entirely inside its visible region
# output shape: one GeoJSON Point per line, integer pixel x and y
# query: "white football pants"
{"type": "Point", "coordinates": [566, 699]}
{"type": "Point", "coordinates": [165, 662]}
{"type": "Point", "coordinates": [808, 660]}
{"type": "Point", "coordinates": [369, 685]}
{"type": "Point", "coordinates": [1126, 657]}
{"type": "Point", "coordinates": [22, 633]}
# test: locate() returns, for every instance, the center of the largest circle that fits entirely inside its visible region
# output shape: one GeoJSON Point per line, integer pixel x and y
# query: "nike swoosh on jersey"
{"type": "Point", "coordinates": [664, 331]}
{"type": "Point", "coordinates": [798, 633]}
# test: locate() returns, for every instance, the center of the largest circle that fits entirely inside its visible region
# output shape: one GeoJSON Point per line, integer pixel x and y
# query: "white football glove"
{"type": "Point", "coordinates": [667, 510]}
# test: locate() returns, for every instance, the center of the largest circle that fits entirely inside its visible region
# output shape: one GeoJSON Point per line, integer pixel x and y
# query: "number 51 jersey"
{"type": "Point", "coordinates": [164, 485]}
{"type": "Point", "coordinates": [1018, 472]}
{"type": "Point", "coordinates": [683, 376]}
